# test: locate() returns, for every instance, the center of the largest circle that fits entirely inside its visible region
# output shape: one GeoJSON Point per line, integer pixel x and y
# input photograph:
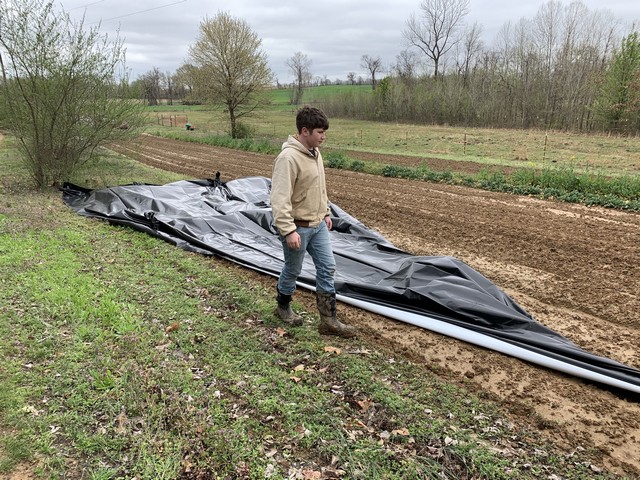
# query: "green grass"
{"type": "Point", "coordinates": [533, 149]}
{"type": "Point", "coordinates": [565, 183]}
{"type": "Point", "coordinates": [123, 356]}
{"type": "Point", "coordinates": [281, 97]}
{"type": "Point", "coordinates": [588, 169]}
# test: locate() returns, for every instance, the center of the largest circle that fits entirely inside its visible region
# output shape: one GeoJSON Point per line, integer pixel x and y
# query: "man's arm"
{"type": "Point", "coordinates": [282, 183]}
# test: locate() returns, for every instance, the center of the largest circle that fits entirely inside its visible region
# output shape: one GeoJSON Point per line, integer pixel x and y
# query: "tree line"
{"type": "Point", "coordinates": [567, 68]}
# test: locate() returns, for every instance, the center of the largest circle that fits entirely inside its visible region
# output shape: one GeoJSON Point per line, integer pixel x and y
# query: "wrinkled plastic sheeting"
{"type": "Point", "coordinates": [233, 220]}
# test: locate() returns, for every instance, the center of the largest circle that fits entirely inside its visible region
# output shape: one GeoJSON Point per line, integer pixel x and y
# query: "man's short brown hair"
{"type": "Point", "coordinates": [311, 118]}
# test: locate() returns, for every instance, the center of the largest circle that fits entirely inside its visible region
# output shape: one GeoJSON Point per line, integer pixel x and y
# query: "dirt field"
{"type": "Point", "coordinates": [575, 269]}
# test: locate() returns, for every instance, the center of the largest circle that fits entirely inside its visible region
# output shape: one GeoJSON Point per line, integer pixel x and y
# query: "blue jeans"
{"type": "Point", "coordinates": [317, 242]}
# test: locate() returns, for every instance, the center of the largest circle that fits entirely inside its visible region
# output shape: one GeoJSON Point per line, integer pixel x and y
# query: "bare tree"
{"type": "Point", "coordinates": [351, 78]}
{"type": "Point", "coordinates": [232, 70]}
{"type": "Point", "coordinates": [470, 47]}
{"type": "Point", "coordinates": [151, 83]}
{"type": "Point", "coordinates": [300, 66]}
{"type": "Point", "coordinates": [373, 65]}
{"type": "Point", "coordinates": [435, 31]}
{"type": "Point", "coordinates": [170, 86]}
{"type": "Point", "coordinates": [406, 67]}
{"type": "Point", "coordinates": [547, 25]}
{"type": "Point", "coordinates": [184, 79]}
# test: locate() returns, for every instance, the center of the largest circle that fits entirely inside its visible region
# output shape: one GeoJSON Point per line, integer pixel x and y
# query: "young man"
{"type": "Point", "coordinates": [302, 217]}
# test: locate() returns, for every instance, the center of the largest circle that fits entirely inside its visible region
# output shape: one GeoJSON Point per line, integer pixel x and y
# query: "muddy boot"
{"type": "Point", "coordinates": [329, 323]}
{"type": "Point", "coordinates": [284, 312]}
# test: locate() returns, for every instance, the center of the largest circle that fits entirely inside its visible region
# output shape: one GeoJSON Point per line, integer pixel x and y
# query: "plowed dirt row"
{"type": "Point", "coordinates": [575, 269]}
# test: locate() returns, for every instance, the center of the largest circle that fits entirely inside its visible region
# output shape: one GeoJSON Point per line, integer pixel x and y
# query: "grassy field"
{"type": "Point", "coordinates": [122, 356]}
{"type": "Point", "coordinates": [610, 155]}
{"type": "Point", "coordinates": [594, 170]}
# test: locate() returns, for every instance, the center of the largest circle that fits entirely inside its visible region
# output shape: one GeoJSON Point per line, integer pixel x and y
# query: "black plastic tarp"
{"type": "Point", "coordinates": [234, 221]}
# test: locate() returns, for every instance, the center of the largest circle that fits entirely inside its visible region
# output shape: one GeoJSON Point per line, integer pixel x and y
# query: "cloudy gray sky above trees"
{"type": "Point", "coordinates": [334, 34]}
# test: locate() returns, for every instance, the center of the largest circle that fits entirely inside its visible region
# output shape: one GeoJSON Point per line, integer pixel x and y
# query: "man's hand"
{"type": "Point", "coordinates": [293, 241]}
{"type": "Point", "coordinates": [328, 221]}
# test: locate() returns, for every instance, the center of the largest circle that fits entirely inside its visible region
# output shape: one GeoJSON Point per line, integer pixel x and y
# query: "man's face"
{"type": "Point", "coordinates": [315, 137]}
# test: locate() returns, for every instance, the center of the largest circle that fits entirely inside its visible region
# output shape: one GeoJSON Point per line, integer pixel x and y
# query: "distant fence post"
{"type": "Point", "coordinates": [172, 120]}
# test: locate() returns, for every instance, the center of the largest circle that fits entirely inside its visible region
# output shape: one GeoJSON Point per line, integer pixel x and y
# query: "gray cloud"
{"type": "Point", "coordinates": [333, 34]}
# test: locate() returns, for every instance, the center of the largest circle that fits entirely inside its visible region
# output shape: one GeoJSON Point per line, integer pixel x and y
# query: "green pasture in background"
{"type": "Point", "coordinates": [596, 153]}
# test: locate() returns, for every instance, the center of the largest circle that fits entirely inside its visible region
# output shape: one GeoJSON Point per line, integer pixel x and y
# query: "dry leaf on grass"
{"type": "Point", "coordinates": [311, 474]}
{"type": "Point", "coordinates": [335, 350]}
{"type": "Point", "coordinates": [171, 328]}
{"type": "Point", "coordinates": [365, 404]}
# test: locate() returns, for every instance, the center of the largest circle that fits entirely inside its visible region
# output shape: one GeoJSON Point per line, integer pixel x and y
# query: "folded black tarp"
{"type": "Point", "coordinates": [234, 221]}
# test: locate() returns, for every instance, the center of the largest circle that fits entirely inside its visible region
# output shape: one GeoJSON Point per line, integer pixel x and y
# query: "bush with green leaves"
{"type": "Point", "coordinates": [358, 166]}
{"type": "Point", "coordinates": [337, 160]}
{"type": "Point", "coordinates": [59, 94]}
{"type": "Point", "coordinates": [244, 131]}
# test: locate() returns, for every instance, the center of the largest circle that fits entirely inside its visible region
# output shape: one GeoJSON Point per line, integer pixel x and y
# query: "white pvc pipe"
{"type": "Point", "coordinates": [486, 341]}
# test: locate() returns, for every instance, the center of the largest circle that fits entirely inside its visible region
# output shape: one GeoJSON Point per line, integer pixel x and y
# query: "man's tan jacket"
{"type": "Point", "coordinates": [298, 187]}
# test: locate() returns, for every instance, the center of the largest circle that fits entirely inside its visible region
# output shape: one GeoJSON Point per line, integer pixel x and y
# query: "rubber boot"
{"type": "Point", "coordinates": [329, 323]}
{"type": "Point", "coordinates": [284, 311]}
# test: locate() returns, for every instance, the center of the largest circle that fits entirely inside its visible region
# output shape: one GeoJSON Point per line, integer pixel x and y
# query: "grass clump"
{"type": "Point", "coordinates": [337, 160]}
{"type": "Point", "coordinates": [247, 144]}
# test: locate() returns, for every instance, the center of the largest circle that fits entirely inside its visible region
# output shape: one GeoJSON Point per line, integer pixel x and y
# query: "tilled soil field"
{"type": "Point", "coordinates": [575, 269]}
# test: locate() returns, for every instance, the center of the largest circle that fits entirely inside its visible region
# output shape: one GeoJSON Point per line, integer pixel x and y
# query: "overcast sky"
{"type": "Point", "coordinates": [333, 34]}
